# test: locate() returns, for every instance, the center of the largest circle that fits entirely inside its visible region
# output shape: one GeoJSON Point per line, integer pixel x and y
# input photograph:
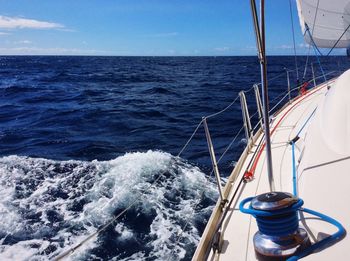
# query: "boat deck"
{"type": "Point", "coordinates": [319, 172]}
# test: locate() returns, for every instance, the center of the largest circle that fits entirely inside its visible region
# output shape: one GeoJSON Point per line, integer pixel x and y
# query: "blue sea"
{"type": "Point", "coordinates": [83, 138]}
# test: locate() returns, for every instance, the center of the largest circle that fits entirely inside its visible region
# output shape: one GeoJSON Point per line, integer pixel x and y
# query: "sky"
{"type": "Point", "coordinates": [143, 27]}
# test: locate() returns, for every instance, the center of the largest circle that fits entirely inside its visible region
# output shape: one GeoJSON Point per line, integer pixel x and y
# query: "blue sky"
{"type": "Point", "coordinates": [142, 27]}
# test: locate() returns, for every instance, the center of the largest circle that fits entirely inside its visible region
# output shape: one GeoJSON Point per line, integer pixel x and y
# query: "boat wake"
{"type": "Point", "coordinates": [49, 206]}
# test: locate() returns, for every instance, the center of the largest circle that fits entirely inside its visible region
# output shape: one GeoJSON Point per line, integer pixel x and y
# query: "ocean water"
{"type": "Point", "coordinates": [83, 138]}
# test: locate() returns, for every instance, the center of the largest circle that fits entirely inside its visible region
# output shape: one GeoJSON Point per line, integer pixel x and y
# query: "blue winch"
{"type": "Point", "coordinates": [280, 237]}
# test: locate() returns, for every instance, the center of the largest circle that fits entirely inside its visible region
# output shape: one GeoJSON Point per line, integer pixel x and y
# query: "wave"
{"type": "Point", "coordinates": [49, 206]}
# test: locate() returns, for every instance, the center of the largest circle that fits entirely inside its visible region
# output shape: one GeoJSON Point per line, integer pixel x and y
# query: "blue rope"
{"type": "Point", "coordinates": [324, 242]}
{"type": "Point", "coordinates": [275, 223]}
{"type": "Point", "coordinates": [317, 51]}
{"type": "Point", "coordinates": [285, 221]}
{"type": "Point", "coordinates": [294, 170]}
{"type": "Point", "coordinates": [313, 112]}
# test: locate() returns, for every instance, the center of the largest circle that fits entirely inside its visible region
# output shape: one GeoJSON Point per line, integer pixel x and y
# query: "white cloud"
{"type": "Point", "coordinates": [222, 49]}
{"type": "Point", "coordinates": [284, 47]}
{"type": "Point", "coordinates": [7, 22]}
{"type": "Point", "coordinates": [49, 51]}
{"type": "Point", "coordinates": [24, 42]}
{"type": "Point", "coordinates": [3, 33]}
{"type": "Point", "coordinates": [303, 45]}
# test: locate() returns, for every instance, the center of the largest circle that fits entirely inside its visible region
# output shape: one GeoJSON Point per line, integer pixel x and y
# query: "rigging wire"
{"type": "Point", "coordinates": [295, 51]}
{"type": "Point", "coordinates": [316, 52]}
{"type": "Point", "coordinates": [338, 40]}
{"type": "Point", "coordinates": [313, 27]}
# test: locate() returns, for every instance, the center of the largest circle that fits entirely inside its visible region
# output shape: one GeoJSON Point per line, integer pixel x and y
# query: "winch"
{"type": "Point", "coordinates": [279, 236]}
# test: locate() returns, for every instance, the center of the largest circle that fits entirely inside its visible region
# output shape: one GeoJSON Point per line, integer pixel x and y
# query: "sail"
{"type": "Point", "coordinates": [328, 22]}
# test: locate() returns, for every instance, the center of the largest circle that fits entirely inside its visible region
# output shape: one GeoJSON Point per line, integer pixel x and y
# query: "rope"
{"type": "Point", "coordinates": [250, 89]}
{"type": "Point", "coordinates": [189, 140]}
{"type": "Point", "coordinates": [295, 51]}
{"type": "Point", "coordinates": [326, 241]}
{"type": "Point", "coordinates": [277, 223]}
{"type": "Point", "coordinates": [338, 40]}
{"type": "Point", "coordinates": [307, 120]}
{"type": "Point", "coordinates": [332, 239]}
{"type": "Point", "coordinates": [313, 27]}
{"type": "Point", "coordinates": [312, 40]}
{"type": "Point", "coordinates": [317, 51]}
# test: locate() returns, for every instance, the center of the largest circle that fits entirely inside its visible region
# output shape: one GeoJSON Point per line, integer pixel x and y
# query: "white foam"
{"type": "Point", "coordinates": [48, 189]}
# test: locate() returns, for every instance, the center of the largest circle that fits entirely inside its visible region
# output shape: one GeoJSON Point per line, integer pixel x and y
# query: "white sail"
{"type": "Point", "coordinates": [328, 22]}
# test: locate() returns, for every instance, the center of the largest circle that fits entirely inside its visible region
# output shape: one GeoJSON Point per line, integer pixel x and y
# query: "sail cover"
{"type": "Point", "coordinates": [327, 20]}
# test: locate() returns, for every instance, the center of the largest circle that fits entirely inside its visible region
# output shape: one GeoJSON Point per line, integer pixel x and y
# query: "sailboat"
{"type": "Point", "coordinates": [288, 195]}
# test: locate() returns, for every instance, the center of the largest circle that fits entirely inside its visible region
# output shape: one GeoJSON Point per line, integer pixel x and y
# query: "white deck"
{"type": "Point", "coordinates": [323, 184]}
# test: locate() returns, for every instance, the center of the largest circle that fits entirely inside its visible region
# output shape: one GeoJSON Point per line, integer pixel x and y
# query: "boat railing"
{"type": "Point", "coordinates": [249, 129]}
{"type": "Point", "coordinates": [212, 233]}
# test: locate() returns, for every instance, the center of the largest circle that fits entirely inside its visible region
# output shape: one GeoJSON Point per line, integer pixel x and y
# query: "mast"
{"type": "Point", "coordinates": [260, 42]}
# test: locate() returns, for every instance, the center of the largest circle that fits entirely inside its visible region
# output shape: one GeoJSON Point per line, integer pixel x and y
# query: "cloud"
{"type": "Point", "coordinates": [3, 33]}
{"type": "Point", "coordinates": [171, 34]}
{"type": "Point", "coordinates": [7, 22]}
{"type": "Point", "coordinates": [284, 47]}
{"type": "Point", "coordinates": [23, 42]}
{"type": "Point", "coordinates": [49, 51]}
{"type": "Point", "coordinates": [303, 45]}
{"type": "Point", "coordinates": [289, 47]}
{"type": "Point", "coordinates": [222, 49]}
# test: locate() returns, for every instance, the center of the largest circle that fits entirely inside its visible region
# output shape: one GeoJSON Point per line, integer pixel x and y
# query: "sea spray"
{"type": "Point", "coordinates": [49, 206]}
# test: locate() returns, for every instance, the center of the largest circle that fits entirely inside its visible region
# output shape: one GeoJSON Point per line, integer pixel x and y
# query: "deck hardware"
{"type": "Point", "coordinates": [213, 160]}
{"type": "Point", "coordinates": [246, 117]}
{"type": "Point", "coordinates": [279, 235]}
{"type": "Point", "coordinates": [217, 242]}
{"type": "Point", "coordinates": [258, 105]}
